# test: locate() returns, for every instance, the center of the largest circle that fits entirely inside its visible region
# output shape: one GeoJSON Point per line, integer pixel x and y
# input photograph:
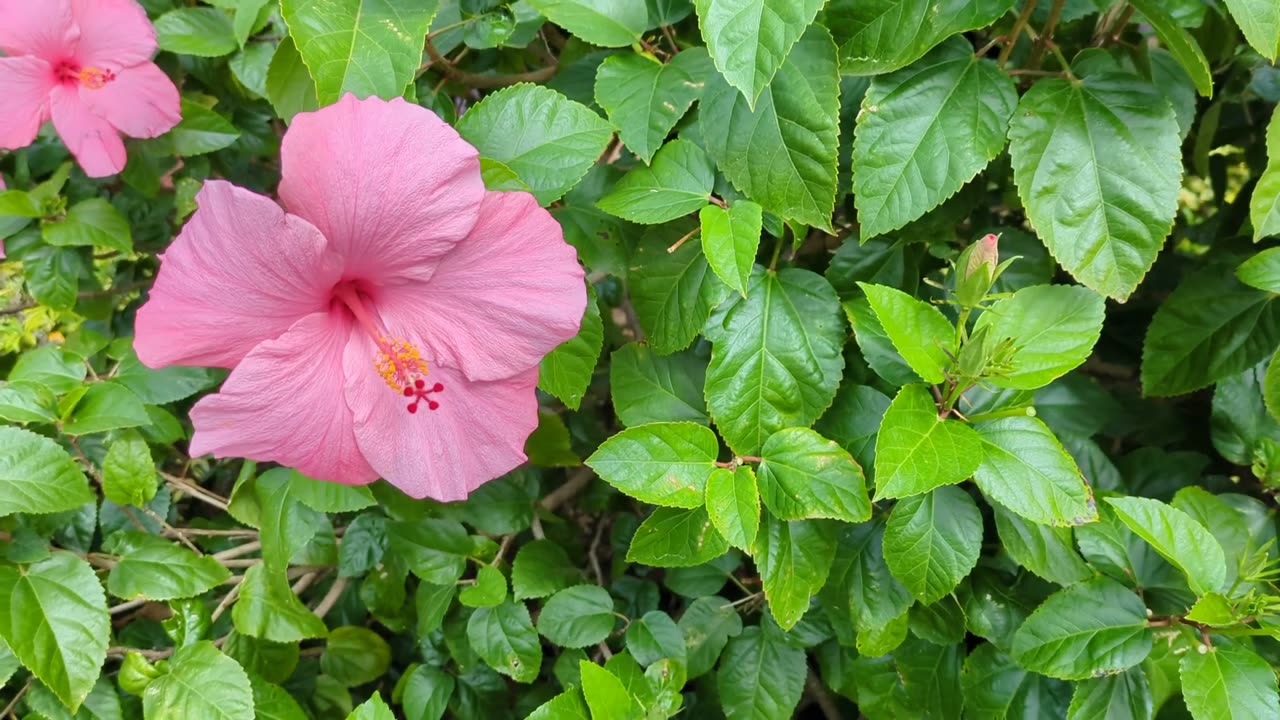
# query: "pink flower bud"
{"type": "Point", "coordinates": [986, 252]}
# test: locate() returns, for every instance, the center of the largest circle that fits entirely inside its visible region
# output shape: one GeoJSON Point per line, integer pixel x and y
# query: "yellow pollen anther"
{"type": "Point", "coordinates": [94, 79]}
{"type": "Point", "coordinates": [399, 362]}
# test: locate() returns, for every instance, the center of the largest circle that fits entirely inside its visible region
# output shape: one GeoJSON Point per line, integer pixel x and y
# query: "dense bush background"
{"type": "Point", "coordinates": [1074, 509]}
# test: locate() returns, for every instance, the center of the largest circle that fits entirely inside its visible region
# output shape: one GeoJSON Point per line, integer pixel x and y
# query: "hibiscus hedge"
{"type": "Point", "coordinates": [639, 358]}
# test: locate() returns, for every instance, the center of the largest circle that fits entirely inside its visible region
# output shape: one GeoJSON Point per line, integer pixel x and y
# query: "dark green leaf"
{"type": "Point", "coordinates": [794, 559]}
{"type": "Point", "coordinates": [578, 616]}
{"type": "Point", "coordinates": [504, 637]}
{"type": "Point", "coordinates": [645, 99]}
{"type": "Point", "coordinates": [678, 183]}
{"type": "Point", "coordinates": [648, 387]}
{"type": "Point", "coordinates": [1025, 469]}
{"type": "Point", "coordinates": [932, 541]}
{"type": "Point", "coordinates": [761, 677]}
{"type": "Point", "coordinates": [672, 537]}
{"type": "Point", "coordinates": [1090, 629]}
{"type": "Point", "coordinates": [673, 292]}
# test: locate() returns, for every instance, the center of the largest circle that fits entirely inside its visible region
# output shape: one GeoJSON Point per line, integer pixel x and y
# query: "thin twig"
{"type": "Point", "coordinates": [1016, 32]}
{"type": "Point", "coordinates": [177, 533]}
{"type": "Point", "coordinates": [684, 239]}
{"type": "Point", "coordinates": [486, 81]}
{"type": "Point", "coordinates": [574, 485]}
{"type": "Point", "coordinates": [8, 709]}
{"type": "Point", "coordinates": [1046, 34]}
{"type": "Point", "coordinates": [120, 651]}
{"type": "Point", "coordinates": [225, 603]}
{"type": "Point", "coordinates": [238, 551]}
{"type": "Point", "coordinates": [591, 552]}
{"type": "Point", "coordinates": [195, 491]}
{"type": "Point", "coordinates": [330, 598]}
{"type": "Point", "coordinates": [126, 606]}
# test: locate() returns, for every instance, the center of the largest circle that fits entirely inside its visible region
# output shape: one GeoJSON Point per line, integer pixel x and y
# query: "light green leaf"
{"type": "Point", "coordinates": [566, 371]}
{"type": "Point", "coordinates": [37, 476]}
{"type": "Point", "coordinates": [1097, 165]}
{"type": "Point", "coordinates": [578, 616]}
{"type": "Point", "coordinates": [924, 132]}
{"type": "Point", "coordinates": [878, 36]}
{"type": "Point", "coordinates": [1047, 551]}
{"type": "Point", "coordinates": [919, 331]}
{"type": "Point", "coordinates": [1179, 539]}
{"type": "Point", "coordinates": [51, 366]}
{"type": "Point", "coordinates": [27, 402]}
{"type": "Point", "coordinates": [673, 293]}
{"type": "Point", "coordinates": [355, 655]}
{"type": "Point", "coordinates": [1264, 207]}
{"type": "Point", "coordinates": [372, 709]}
{"type": "Point", "coordinates": [733, 504]}
{"type": "Point", "coordinates": [568, 705]}
{"type": "Point", "coordinates": [678, 183]}
{"type": "Point", "coordinates": [1053, 328]}
{"type": "Point", "coordinates": [606, 696]}
{"type": "Point", "coordinates": [761, 677]}
{"type": "Point", "coordinates": [201, 683]}
{"type": "Point", "coordinates": [268, 609]}
{"type": "Point", "coordinates": [489, 589]}
{"type": "Point", "coordinates": [731, 239]}
{"type": "Point", "coordinates": [806, 476]}
{"type": "Point", "coordinates": [53, 615]}
{"type": "Point", "coordinates": [128, 472]}
{"type": "Point", "coordinates": [547, 139]}
{"type": "Point", "coordinates": [916, 451]}
{"type": "Point", "coordinates": [662, 463]}
{"type": "Point", "coordinates": [289, 85]}
{"type": "Point", "coordinates": [329, 497]}
{"type": "Point", "coordinates": [794, 558]}
{"type": "Point", "coordinates": [365, 47]}
{"type": "Point", "coordinates": [776, 360]}
{"type": "Point", "coordinates": [92, 222]}
{"type": "Point", "coordinates": [648, 387]}
{"type": "Point", "coordinates": [106, 406]}
{"type": "Point", "coordinates": [607, 23]}
{"type": "Point", "coordinates": [875, 345]}
{"type": "Point", "coordinates": [1026, 469]}
{"type": "Point", "coordinates": [153, 568]}
{"type": "Point", "coordinates": [750, 39]}
{"type": "Point", "coordinates": [673, 537]}
{"type": "Point", "coordinates": [540, 569]}
{"type": "Point", "coordinates": [1126, 696]}
{"type": "Point", "coordinates": [782, 154]}
{"type": "Point", "coordinates": [932, 541]}
{"type": "Point", "coordinates": [1209, 328]}
{"type": "Point", "coordinates": [1180, 43]}
{"type": "Point", "coordinates": [200, 31]}
{"type": "Point", "coordinates": [1228, 681]}
{"type": "Point", "coordinates": [1089, 629]}
{"type": "Point", "coordinates": [645, 99]}
{"type": "Point", "coordinates": [1262, 271]}
{"type": "Point", "coordinates": [1271, 386]}
{"type": "Point", "coordinates": [504, 638]}
{"type": "Point", "coordinates": [1260, 22]}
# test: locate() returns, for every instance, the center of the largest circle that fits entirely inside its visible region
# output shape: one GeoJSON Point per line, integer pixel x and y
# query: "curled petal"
{"type": "Point", "coordinates": [93, 141]}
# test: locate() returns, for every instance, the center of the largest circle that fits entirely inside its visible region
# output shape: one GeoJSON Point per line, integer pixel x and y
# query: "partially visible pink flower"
{"type": "Point", "coordinates": [2, 188]}
{"type": "Point", "coordinates": [390, 323]}
{"type": "Point", "coordinates": [87, 64]}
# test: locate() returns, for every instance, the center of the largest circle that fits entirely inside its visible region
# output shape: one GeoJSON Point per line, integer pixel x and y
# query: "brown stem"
{"type": "Point", "coordinates": [1121, 23]}
{"type": "Point", "coordinates": [486, 81]}
{"type": "Point", "coordinates": [1046, 34]}
{"type": "Point", "coordinates": [574, 485]}
{"type": "Point", "coordinates": [87, 295]}
{"type": "Point", "coordinates": [683, 240]}
{"type": "Point", "coordinates": [330, 598]}
{"type": "Point", "coordinates": [816, 690]}
{"type": "Point", "coordinates": [1018, 26]}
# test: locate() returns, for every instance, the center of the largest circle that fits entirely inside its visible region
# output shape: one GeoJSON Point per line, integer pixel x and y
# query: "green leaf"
{"type": "Point", "coordinates": [794, 559]}
{"type": "Point", "coordinates": [53, 276]}
{"type": "Point", "coordinates": [673, 537]}
{"type": "Point", "coordinates": [128, 472]}
{"type": "Point", "coordinates": [1262, 271]}
{"type": "Point", "coordinates": [733, 504]}
{"type": "Point", "coordinates": [875, 345]}
{"type": "Point", "coordinates": [541, 568]}
{"type": "Point", "coordinates": [932, 541]}
{"type": "Point", "coordinates": [1087, 630]}
{"type": "Point", "coordinates": [38, 476]}
{"type": "Point", "coordinates": [1228, 681]}
{"type": "Point", "coordinates": [1259, 20]}
{"type": "Point", "coordinates": [1044, 550]}
{"type": "Point", "coordinates": [761, 677]}
{"type": "Point", "coordinates": [268, 609]}
{"type": "Point", "coordinates": [805, 475]}
{"type": "Point", "coordinates": [435, 550]}
{"type": "Point", "coordinates": [645, 99]}
{"type": "Point", "coordinates": [27, 402]}
{"type": "Point", "coordinates": [995, 688]}
{"type": "Point", "coordinates": [490, 588]}
{"type": "Point", "coordinates": [158, 387]}
{"type": "Point", "coordinates": [662, 463]}
{"type": "Point", "coordinates": [1209, 328]}
{"type": "Point", "coordinates": [649, 388]}
{"type": "Point", "coordinates": [916, 451]}
{"type": "Point", "coordinates": [919, 331]}
{"type": "Point", "coordinates": [1053, 328]}
{"type": "Point", "coordinates": [203, 31]}
{"type": "Point", "coordinates": [578, 616]}
{"type": "Point", "coordinates": [566, 371]}
{"type": "Point", "coordinates": [750, 39]}
{"type": "Point", "coordinates": [504, 638]}
{"type": "Point", "coordinates": [365, 47]}
{"type": "Point", "coordinates": [355, 655]}
{"type": "Point", "coordinates": [372, 709]}
{"type": "Point", "coordinates": [1264, 206]}
{"type": "Point", "coordinates": [547, 139]}
{"type": "Point", "coordinates": [427, 691]}
{"type": "Point", "coordinates": [568, 705]}
{"type": "Point", "coordinates": [678, 183]}
{"type": "Point", "coordinates": [1127, 695]}
{"type": "Point", "coordinates": [924, 132]}
{"type": "Point", "coordinates": [92, 222]}
{"type": "Point", "coordinates": [1271, 386]}
{"type": "Point", "coordinates": [731, 239]}
{"type": "Point", "coordinates": [246, 18]}
{"type": "Point", "coordinates": [16, 203]}
{"type": "Point", "coordinates": [656, 636]}
{"type": "Point", "coordinates": [1180, 43]}
{"type": "Point", "coordinates": [289, 85]}
{"type": "Point", "coordinates": [272, 702]}
{"type": "Point", "coordinates": [51, 366]}
{"type": "Point", "coordinates": [607, 23]}
{"type": "Point", "coordinates": [707, 625]}
{"type": "Point", "coordinates": [329, 497]}
{"type": "Point", "coordinates": [1179, 539]}
{"type": "Point", "coordinates": [606, 696]}
{"type": "Point", "coordinates": [157, 569]}
{"type": "Point", "coordinates": [201, 131]}
{"type": "Point", "coordinates": [201, 682]}
{"type": "Point", "coordinates": [1098, 167]}
{"type": "Point", "coordinates": [879, 36]}
{"type": "Point", "coordinates": [53, 615]}
{"type": "Point", "coordinates": [673, 293]}
{"type": "Point", "coordinates": [776, 360]}
{"type": "Point", "coordinates": [105, 406]}
{"type": "Point", "coordinates": [783, 153]}
{"type": "Point", "coordinates": [1026, 469]}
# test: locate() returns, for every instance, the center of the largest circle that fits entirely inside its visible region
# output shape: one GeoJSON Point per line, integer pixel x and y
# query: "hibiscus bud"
{"type": "Point", "coordinates": [977, 270]}
{"type": "Point", "coordinates": [136, 674]}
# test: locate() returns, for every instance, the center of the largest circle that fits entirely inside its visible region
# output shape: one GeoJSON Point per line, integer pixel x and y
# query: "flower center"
{"type": "Point", "coordinates": [90, 77]}
{"type": "Point", "coordinates": [398, 361]}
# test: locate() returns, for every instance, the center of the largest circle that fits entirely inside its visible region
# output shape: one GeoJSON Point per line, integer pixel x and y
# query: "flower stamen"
{"type": "Point", "coordinates": [399, 362]}
{"type": "Point", "coordinates": [95, 79]}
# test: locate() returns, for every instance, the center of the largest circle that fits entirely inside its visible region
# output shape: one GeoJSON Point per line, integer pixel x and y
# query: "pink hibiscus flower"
{"type": "Point", "coordinates": [87, 64]}
{"type": "Point", "coordinates": [390, 323]}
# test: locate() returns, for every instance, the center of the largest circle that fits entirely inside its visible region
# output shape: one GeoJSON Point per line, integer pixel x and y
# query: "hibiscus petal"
{"type": "Point", "coordinates": [388, 183]}
{"type": "Point", "coordinates": [91, 139]}
{"type": "Point", "coordinates": [43, 28]}
{"type": "Point", "coordinates": [113, 33]}
{"type": "Point", "coordinates": [25, 83]}
{"type": "Point", "coordinates": [284, 404]}
{"type": "Point", "coordinates": [475, 435]}
{"type": "Point", "coordinates": [242, 272]}
{"type": "Point", "coordinates": [141, 101]}
{"type": "Point", "coordinates": [506, 295]}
